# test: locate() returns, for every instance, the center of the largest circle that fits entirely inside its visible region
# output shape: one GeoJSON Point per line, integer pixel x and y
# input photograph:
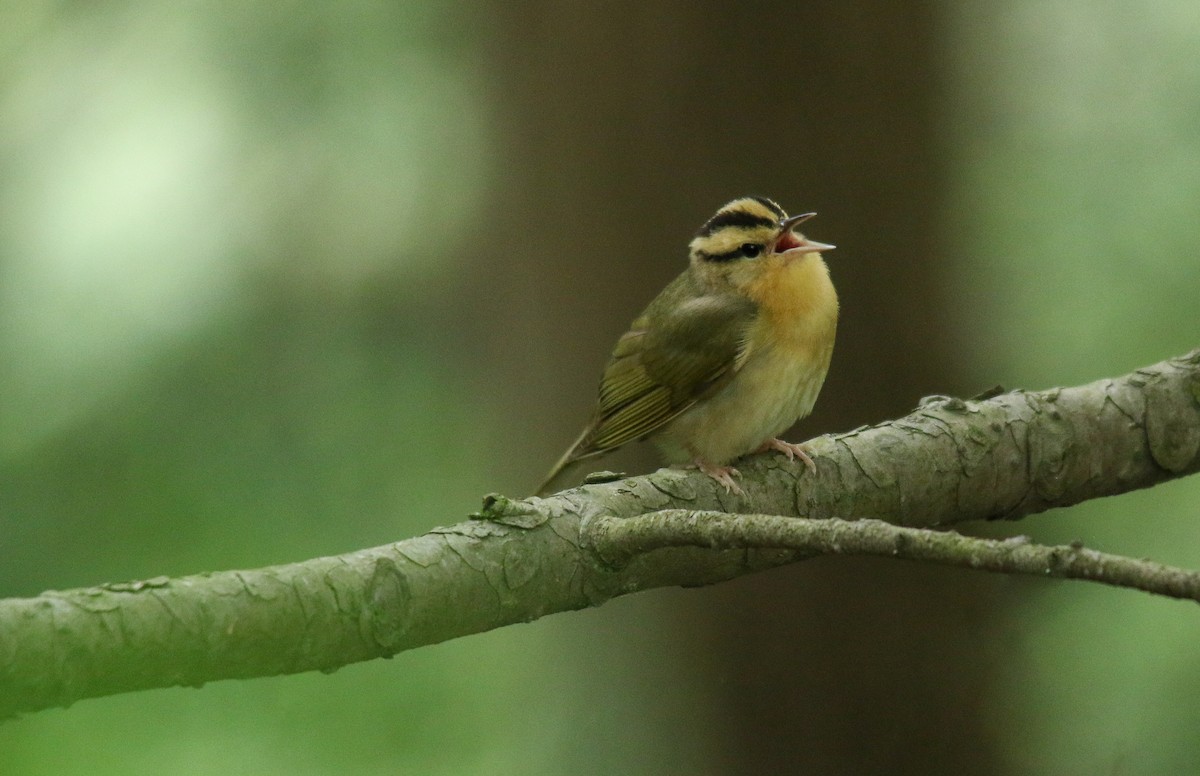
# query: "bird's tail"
{"type": "Point", "coordinates": [575, 453]}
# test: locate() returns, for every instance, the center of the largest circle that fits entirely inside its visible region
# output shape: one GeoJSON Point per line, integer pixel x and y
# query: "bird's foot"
{"type": "Point", "coordinates": [790, 449]}
{"type": "Point", "coordinates": [722, 474]}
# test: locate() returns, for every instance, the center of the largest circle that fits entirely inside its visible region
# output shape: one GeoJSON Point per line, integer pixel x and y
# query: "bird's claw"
{"type": "Point", "coordinates": [790, 449]}
{"type": "Point", "coordinates": [723, 475]}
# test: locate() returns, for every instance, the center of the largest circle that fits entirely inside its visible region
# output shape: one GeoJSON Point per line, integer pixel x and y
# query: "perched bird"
{"type": "Point", "coordinates": [729, 355]}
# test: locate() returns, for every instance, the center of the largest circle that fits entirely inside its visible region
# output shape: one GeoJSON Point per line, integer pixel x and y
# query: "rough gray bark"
{"type": "Point", "coordinates": [949, 461]}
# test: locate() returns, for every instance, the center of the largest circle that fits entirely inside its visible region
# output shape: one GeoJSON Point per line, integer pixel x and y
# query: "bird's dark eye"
{"type": "Point", "coordinates": [751, 250]}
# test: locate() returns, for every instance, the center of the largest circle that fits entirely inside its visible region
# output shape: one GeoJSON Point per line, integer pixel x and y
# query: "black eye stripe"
{"type": "Point", "coordinates": [736, 218]}
{"type": "Point", "coordinates": [739, 252]}
{"type": "Point", "coordinates": [718, 257]}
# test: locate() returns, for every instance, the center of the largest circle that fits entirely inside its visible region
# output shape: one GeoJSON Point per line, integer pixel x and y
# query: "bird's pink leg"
{"type": "Point", "coordinates": [790, 449]}
{"type": "Point", "coordinates": [722, 474]}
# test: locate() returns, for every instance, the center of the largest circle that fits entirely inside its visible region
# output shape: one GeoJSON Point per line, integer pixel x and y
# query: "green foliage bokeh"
{"type": "Point", "coordinates": [229, 241]}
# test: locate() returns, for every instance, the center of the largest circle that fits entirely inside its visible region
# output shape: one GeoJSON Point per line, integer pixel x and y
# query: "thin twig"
{"type": "Point", "coordinates": [618, 540]}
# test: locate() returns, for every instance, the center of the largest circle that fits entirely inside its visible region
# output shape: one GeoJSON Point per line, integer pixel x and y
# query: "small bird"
{"type": "Point", "coordinates": [729, 355]}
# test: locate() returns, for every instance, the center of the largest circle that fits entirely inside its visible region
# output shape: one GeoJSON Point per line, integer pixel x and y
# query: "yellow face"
{"type": "Point", "coordinates": [746, 239]}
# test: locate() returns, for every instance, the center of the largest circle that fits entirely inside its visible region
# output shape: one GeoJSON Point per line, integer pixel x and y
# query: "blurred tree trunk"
{"type": "Point", "coordinates": [624, 125]}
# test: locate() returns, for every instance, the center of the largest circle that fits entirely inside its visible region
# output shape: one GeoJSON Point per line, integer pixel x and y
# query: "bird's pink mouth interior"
{"type": "Point", "coordinates": [786, 242]}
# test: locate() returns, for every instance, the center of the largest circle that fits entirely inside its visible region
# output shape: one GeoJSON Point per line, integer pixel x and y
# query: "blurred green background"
{"type": "Point", "coordinates": [286, 280]}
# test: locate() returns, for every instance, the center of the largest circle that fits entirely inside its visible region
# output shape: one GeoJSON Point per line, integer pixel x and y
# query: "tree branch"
{"type": "Point", "coordinates": [948, 461]}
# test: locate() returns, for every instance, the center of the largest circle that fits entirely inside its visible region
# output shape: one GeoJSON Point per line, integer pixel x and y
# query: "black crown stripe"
{"type": "Point", "coordinates": [769, 204]}
{"type": "Point", "coordinates": [728, 218]}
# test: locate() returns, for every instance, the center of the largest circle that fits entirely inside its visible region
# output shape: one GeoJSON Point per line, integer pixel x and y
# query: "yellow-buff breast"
{"type": "Point", "coordinates": [789, 346]}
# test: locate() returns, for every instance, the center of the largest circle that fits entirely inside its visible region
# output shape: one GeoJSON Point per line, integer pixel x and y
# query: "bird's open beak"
{"type": "Point", "coordinates": [787, 241]}
{"type": "Point", "coordinates": [788, 224]}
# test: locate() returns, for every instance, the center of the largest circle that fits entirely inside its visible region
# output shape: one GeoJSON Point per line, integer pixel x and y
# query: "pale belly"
{"type": "Point", "coordinates": [771, 392]}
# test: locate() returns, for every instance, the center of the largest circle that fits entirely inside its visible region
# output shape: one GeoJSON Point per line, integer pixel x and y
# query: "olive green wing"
{"type": "Point", "coordinates": [665, 363]}
{"type": "Point", "coordinates": [685, 344]}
